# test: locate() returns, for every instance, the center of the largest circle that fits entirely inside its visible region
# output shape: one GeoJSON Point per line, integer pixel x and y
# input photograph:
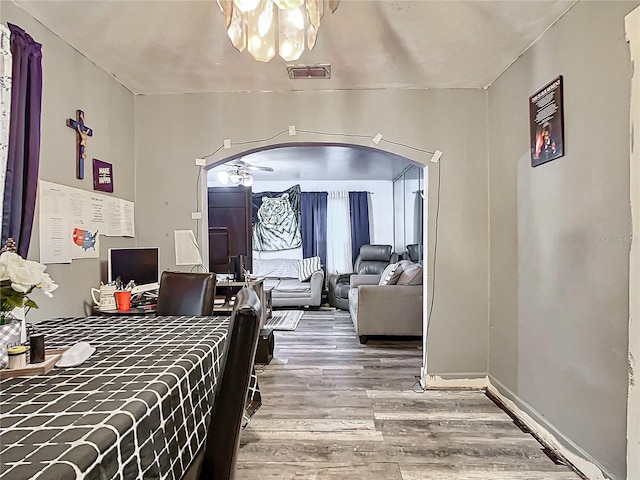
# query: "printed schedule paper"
{"type": "Point", "coordinates": [72, 220]}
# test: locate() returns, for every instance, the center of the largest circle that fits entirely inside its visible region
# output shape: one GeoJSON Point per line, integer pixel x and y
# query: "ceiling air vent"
{"type": "Point", "coordinates": [297, 72]}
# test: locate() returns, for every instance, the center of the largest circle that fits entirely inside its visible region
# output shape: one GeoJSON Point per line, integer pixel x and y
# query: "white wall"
{"type": "Point", "coordinates": [70, 83]}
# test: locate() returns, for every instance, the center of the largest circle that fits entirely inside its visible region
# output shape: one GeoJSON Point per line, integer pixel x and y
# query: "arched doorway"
{"type": "Point", "coordinates": [321, 161]}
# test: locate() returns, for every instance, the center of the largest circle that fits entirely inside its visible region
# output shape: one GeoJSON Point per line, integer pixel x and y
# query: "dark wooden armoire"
{"type": "Point", "coordinates": [229, 228]}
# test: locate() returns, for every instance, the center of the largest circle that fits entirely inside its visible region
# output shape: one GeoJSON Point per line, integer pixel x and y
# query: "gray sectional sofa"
{"type": "Point", "coordinates": [394, 309]}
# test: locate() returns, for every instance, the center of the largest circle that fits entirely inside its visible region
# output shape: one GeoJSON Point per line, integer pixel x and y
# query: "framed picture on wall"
{"type": "Point", "coordinates": [102, 176]}
{"type": "Point", "coordinates": [546, 123]}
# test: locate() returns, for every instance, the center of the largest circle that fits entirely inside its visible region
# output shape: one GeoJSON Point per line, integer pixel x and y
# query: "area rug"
{"type": "Point", "coordinates": [284, 319]}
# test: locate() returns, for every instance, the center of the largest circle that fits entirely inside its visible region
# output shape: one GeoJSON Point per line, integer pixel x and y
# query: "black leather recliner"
{"type": "Point", "coordinates": [413, 252]}
{"type": "Point", "coordinates": [372, 260]}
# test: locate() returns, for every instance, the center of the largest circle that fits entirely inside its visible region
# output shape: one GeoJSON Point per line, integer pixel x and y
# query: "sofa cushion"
{"type": "Point", "coordinates": [278, 295]}
{"type": "Point", "coordinates": [390, 274]}
{"type": "Point", "coordinates": [411, 273]}
{"type": "Point", "coordinates": [291, 285]}
{"type": "Point", "coordinates": [275, 267]}
{"type": "Point", "coordinates": [271, 283]}
{"type": "Point", "coordinates": [307, 267]}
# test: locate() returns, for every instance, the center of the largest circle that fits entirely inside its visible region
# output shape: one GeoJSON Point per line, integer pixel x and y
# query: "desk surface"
{"type": "Point", "coordinates": [137, 408]}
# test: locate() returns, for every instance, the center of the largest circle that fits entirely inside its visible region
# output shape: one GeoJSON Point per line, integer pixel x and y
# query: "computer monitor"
{"type": "Point", "coordinates": [137, 264]}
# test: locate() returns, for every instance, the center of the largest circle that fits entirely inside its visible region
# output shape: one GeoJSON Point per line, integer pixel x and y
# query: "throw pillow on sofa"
{"type": "Point", "coordinates": [390, 274]}
{"type": "Point", "coordinates": [307, 267]}
{"type": "Point", "coordinates": [411, 273]}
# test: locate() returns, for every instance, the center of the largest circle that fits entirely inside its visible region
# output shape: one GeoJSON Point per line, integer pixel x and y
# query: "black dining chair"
{"type": "Point", "coordinates": [186, 293]}
{"type": "Point", "coordinates": [225, 424]}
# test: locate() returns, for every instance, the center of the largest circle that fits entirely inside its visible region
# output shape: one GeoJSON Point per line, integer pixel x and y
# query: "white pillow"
{"type": "Point", "coordinates": [391, 274]}
{"type": "Point", "coordinates": [307, 267]}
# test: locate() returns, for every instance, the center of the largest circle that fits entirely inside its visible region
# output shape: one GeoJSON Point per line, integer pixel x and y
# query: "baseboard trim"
{"type": "Point", "coordinates": [476, 381]}
{"type": "Point", "coordinates": [547, 433]}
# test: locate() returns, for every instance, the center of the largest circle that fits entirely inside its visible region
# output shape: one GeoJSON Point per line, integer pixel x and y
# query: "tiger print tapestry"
{"type": "Point", "coordinates": [276, 220]}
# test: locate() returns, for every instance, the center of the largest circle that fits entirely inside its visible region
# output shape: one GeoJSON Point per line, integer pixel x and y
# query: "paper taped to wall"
{"type": "Point", "coordinates": [187, 249]}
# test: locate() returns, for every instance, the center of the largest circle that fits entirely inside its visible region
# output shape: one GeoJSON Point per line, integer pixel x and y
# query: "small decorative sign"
{"type": "Point", "coordinates": [102, 176]}
{"type": "Point", "coordinates": [546, 123]}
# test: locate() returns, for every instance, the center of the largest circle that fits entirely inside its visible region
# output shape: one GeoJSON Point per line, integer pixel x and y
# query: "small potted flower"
{"type": "Point", "coordinates": [18, 278]}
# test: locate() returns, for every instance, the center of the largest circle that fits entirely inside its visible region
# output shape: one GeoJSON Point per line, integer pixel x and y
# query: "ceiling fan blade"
{"type": "Point", "coordinates": [256, 167]}
{"type": "Point", "coordinates": [242, 165]}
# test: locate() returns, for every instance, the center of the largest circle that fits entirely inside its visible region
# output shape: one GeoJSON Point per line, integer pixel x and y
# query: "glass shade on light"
{"type": "Point", "coordinates": [291, 34]}
{"type": "Point", "coordinates": [236, 176]}
{"type": "Point", "coordinates": [237, 30]}
{"type": "Point", "coordinates": [255, 24]}
{"type": "Point", "coordinates": [316, 10]}
{"type": "Point", "coordinates": [261, 32]}
{"type": "Point", "coordinates": [223, 177]}
{"type": "Point", "coordinates": [247, 181]}
{"type": "Point", "coordinates": [246, 5]}
{"type": "Point", "coordinates": [288, 4]}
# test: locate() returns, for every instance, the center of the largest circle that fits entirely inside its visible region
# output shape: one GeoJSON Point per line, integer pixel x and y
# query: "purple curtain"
{"type": "Point", "coordinates": [24, 140]}
{"type": "Point", "coordinates": [359, 212]}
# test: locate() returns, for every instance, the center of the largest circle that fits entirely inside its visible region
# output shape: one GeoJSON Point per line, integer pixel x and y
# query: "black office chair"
{"type": "Point", "coordinates": [186, 294]}
{"type": "Point", "coordinates": [223, 435]}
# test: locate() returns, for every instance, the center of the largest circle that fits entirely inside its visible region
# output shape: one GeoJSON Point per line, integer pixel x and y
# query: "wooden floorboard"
{"type": "Point", "coordinates": [335, 409]}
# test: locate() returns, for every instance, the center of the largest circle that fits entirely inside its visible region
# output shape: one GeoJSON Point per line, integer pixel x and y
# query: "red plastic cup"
{"type": "Point", "coordinates": [123, 300]}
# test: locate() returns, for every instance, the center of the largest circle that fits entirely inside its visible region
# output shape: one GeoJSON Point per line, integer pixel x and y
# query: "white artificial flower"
{"type": "Point", "coordinates": [24, 275]}
{"type": "Point", "coordinates": [47, 285]}
{"type": "Point", "coordinates": [5, 259]}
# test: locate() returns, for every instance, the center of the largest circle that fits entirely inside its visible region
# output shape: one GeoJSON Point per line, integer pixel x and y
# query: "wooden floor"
{"type": "Point", "coordinates": [335, 409]}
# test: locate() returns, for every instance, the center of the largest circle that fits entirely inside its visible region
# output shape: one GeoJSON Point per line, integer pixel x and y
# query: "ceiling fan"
{"type": "Point", "coordinates": [240, 173]}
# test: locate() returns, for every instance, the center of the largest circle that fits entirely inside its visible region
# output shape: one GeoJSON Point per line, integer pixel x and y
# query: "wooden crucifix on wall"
{"type": "Point", "coordinates": [82, 132]}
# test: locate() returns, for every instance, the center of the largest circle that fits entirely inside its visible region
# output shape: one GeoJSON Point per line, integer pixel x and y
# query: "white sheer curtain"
{"type": "Point", "coordinates": [338, 233]}
{"type": "Point", "coordinates": [5, 103]}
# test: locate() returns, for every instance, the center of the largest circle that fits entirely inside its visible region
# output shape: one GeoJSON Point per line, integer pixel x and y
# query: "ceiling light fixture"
{"type": "Point", "coordinates": [237, 176]}
{"type": "Point", "coordinates": [254, 25]}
